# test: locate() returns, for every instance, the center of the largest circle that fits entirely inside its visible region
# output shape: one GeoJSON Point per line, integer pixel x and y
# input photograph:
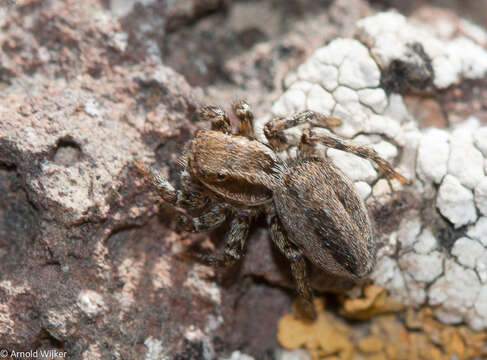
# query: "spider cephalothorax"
{"type": "Point", "coordinates": [313, 209]}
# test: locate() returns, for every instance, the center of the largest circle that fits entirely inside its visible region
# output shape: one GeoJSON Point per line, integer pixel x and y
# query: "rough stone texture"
{"type": "Point", "coordinates": [94, 270]}
{"type": "Point", "coordinates": [88, 267]}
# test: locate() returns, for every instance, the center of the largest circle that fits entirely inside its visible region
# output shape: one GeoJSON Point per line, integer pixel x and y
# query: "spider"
{"type": "Point", "coordinates": [313, 209]}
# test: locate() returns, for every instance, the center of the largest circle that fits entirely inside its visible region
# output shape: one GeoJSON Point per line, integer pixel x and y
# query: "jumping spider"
{"type": "Point", "coordinates": [312, 208]}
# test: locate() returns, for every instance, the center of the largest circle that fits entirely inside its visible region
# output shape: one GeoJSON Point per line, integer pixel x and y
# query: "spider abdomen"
{"type": "Point", "coordinates": [324, 215]}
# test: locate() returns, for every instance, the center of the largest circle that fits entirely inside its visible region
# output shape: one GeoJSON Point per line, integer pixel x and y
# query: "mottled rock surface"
{"type": "Point", "coordinates": [86, 264]}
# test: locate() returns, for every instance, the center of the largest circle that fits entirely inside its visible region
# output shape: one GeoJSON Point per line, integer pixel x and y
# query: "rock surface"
{"type": "Point", "coordinates": [88, 267]}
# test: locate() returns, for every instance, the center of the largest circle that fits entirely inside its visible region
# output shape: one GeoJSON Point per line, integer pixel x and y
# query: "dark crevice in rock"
{"type": "Point", "coordinates": [441, 227]}
{"type": "Point", "coordinates": [6, 76]}
{"type": "Point", "coordinates": [67, 152]}
{"type": "Point", "coordinates": [447, 234]}
{"type": "Point", "coordinates": [192, 350]}
{"type": "Point", "coordinates": [51, 262]}
{"type": "Point", "coordinates": [18, 220]}
{"type": "Point", "coordinates": [201, 9]}
{"type": "Point", "coordinates": [49, 341]}
{"type": "Point", "coordinates": [416, 74]}
{"type": "Point", "coordinates": [28, 7]}
{"type": "Point", "coordinates": [116, 240]}
{"type": "Point", "coordinates": [7, 166]}
{"type": "Point", "coordinates": [96, 70]}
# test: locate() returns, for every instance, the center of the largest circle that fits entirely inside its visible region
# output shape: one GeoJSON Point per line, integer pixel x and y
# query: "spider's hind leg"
{"type": "Point", "coordinates": [218, 118]}
{"type": "Point", "coordinates": [298, 267]}
{"type": "Point", "coordinates": [310, 138]}
{"type": "Point", "coordinates": [245, 116]}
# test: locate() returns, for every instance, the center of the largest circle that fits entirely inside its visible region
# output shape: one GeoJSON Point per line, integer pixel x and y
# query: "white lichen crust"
{"type": "Point", "coordinates": [446, 167]}
{"type": "Point", "coordinates": [389, 37]}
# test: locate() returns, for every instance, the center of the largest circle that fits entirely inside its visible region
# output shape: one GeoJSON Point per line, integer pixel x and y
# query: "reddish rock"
{"type": "Point", "coordinates": [87, 265]}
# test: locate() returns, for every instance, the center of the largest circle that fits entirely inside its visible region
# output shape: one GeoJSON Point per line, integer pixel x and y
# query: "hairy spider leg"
{"type": "Point", "coordinates": [217, 117]}
{"type": "Point", "coordinates": [310, 137]}
{"type": "Point", "coordinates": [274, 129]}
{"type": "Point", "coordinates": [235, 240]}
{"type": "Point", "coordinates": [189, 198]}
{"type": "Point", "coordinates": [245, 116]}
{"type": "Point", "coordinates": [207, 221]}
{"type": "Point", "coordinates": [298, 266]}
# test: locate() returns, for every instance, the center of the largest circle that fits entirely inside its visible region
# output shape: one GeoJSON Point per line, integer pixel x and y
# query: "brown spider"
{"type": "Point", "coordinates": [313, 209]}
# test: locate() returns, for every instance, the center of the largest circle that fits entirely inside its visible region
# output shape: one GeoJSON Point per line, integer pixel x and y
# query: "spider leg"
{"type": "Point", "coordinates": [218, 118]}
{"type": "Point", "coordinates": [234, 244]}
{"type": "Point", "coordinates": [298, 266]}
{"type": "Point", "coordinates": [274, 129]}
{"type": "Point", "coordinates": [246, 117]}
{"type": "Point", "coordinates": [208, 221]}
{"type": "Point", "coordinates": [190, 197]}
{"type": "Point", "coordinates": [194, 195]}
{"type": "Point", "coordinates": [309, 138]}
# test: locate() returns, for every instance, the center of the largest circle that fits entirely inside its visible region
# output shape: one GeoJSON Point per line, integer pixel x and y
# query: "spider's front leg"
{"type": "Point", "coordinates": [191, 197]}
{"type": "Point", "coordinates": [309, 138]}
{"type": "Point", "coordinates": [208, 221]}
{"type": "Point", "coordinates": [235, 240]}
{"type": "Point", "coordinates": [298, 267]}
{"type": "Point", "coordinates": [246, 118]}
{"type": "Point", "coordinates": [217, 117]}
{"type": "Point", "coordinates": [274, 129]}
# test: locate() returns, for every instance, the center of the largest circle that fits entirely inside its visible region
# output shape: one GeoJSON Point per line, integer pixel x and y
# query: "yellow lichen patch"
{"type": "Point", "coordinates": [324, 338]}
{"type": "Point", "coordinates": [370, 344]}
{"type": "Point", "coordinates": [405, 335]}
{"type": "Point", "coordinates": [376, 301]}
{"type": "Point", "coordinates": [456, 341]}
